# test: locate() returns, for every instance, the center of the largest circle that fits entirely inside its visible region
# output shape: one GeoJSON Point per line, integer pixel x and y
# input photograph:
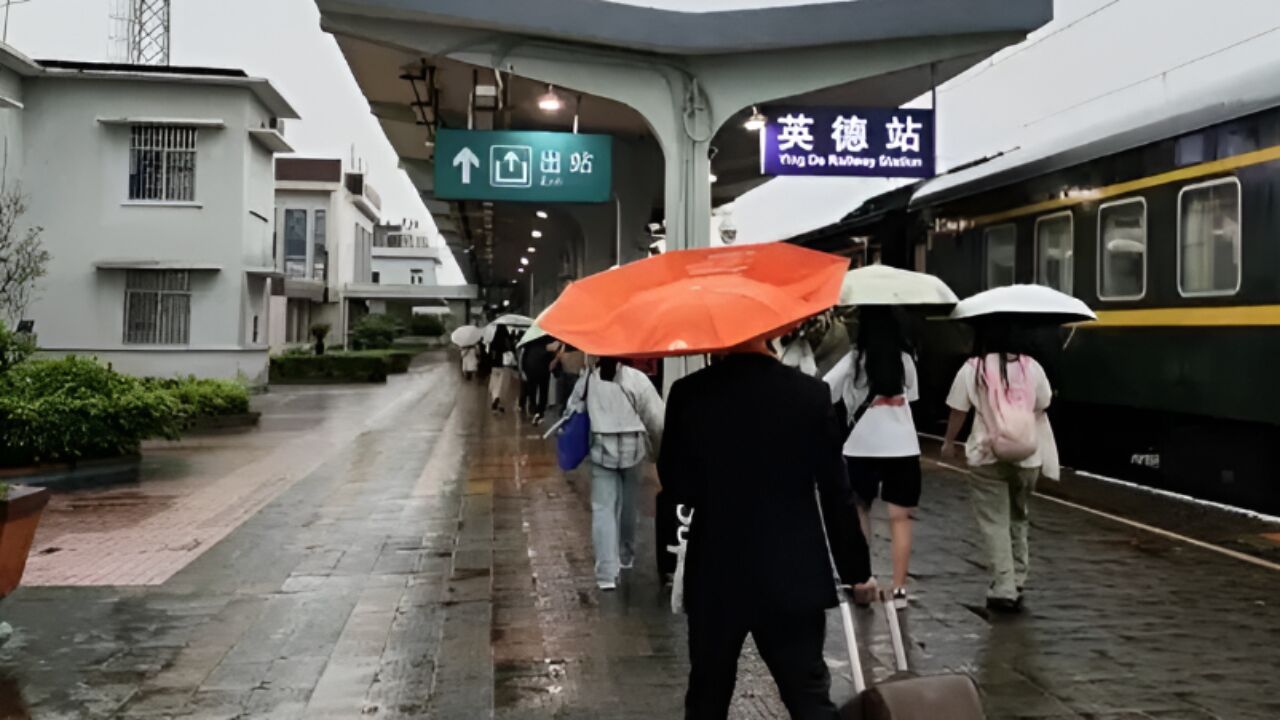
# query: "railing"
{"type": "Point", "coordinates": [402, 240]}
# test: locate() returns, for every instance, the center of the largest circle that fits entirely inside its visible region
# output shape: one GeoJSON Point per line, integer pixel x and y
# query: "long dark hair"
{"type": "Point", "coordinates": [882, 339]}
{"type": "Point", "coordinates": [1006, 338]}
{"type": "Point", "coordinates": [608, 368]}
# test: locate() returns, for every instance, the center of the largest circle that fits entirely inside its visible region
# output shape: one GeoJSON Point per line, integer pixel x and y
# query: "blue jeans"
{"type": "Point", "coordinates": [613, 518]}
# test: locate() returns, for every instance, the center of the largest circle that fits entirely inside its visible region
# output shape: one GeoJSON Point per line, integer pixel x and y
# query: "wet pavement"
{"type": "Point", "coordinates": [398, 552]}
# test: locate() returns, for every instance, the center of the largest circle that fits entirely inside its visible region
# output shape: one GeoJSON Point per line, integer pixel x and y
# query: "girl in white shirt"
{"type": "Point", "coordinates": [1001, 490]}
{"type": "Point", "coordinates": [877, 380]}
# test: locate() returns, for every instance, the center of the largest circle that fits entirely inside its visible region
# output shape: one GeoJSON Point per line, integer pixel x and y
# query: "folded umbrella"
{"type": "Point", "coordinates": [884, 285]}
{"type": "Point", "coordinates": [466, 336]}
{"type": "Point", "coordinates": [1028, 303]}
{"type": "Point", "coordinates": [691, 302]}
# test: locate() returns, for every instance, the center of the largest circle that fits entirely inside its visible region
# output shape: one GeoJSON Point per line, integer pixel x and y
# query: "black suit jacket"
{"type": "Point", "coordinates": [746, 441]}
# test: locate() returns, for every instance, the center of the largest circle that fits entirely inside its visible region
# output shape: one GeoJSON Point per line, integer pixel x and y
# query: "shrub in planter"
{"type": "Point", "coordinates": [375, 332]}
{"type": "Point", "coordinates": [319, 332]}
{"type": "Point", "coordinates": [426, 326]}
{"type": "Point", "coordinates": [78, 409]}
{"type": "Point", "coordinates": [328, 368]}
{"type": "Point", "coordinates": [20, 510]}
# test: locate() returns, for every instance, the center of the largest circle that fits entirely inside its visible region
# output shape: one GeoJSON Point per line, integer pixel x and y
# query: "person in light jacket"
{"type": "Point", "coordinates": [626, 415]}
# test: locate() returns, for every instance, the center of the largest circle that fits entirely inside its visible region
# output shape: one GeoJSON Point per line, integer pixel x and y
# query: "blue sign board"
{"type": "Point", "coordinates": [864, 142]}
{"type": "Point", "coordinates": [523, 166]}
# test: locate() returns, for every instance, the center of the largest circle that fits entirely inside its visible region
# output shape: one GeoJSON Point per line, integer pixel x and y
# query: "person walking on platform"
{"type": "Point", "coordinates": [876, 383]}
{"type": "Point", "coordinates": [502, 359]}
{"type": "Point", "coordinates": [747, 442]}
{"type": "Point", "coordinates": [535, 363]}
{"type": "Point", "coordinates": [470, 361]}
{"type": "Point", "coordinates": [1007, 449]}
{"type": "Point", "coordinates": [567, 368]}
{"type": "Point", "coordinates": [626, 421]}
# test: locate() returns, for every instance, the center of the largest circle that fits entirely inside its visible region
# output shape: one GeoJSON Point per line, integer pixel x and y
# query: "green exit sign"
{"type": "Point", "coordinates": [523, 166]}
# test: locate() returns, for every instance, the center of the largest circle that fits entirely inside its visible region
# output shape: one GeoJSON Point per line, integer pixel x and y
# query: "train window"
{"type": "Point", "coordinates": [1209, 238]}
{"type": "Point", "coordinates": [1000, 246]}
{"type": "Point", "coordinates": [1122, 250]}
{"type": "Point", "coordinates": [1054, 257]}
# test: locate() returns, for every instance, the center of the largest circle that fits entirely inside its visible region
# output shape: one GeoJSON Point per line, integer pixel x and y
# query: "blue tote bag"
{"type": "Point", "coordinates": [573, 445]}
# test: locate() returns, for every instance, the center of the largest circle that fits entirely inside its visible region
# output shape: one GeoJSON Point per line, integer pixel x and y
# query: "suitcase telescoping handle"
{"type": "Point", "coordinates": [846, 613]}
{"type": "Point", "coordinates": [895, 631]}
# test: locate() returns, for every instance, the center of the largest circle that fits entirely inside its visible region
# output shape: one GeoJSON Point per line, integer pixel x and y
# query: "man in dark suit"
{"type": "Point", "coordinates": [747, 440]}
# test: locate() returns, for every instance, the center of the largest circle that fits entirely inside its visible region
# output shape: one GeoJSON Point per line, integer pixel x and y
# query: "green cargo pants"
{"type": "Point", "coordinates": [1001, 496]}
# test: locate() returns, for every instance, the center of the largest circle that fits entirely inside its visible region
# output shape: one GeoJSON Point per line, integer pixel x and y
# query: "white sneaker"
{"type": "Point", "coordinates": [627, 564]}
{"type": "Point", "coordinates": [900, 598]}
{"type": "Point", "coordinates": [607, 585]}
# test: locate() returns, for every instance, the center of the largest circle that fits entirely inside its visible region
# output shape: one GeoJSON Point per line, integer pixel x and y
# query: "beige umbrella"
{"type": "Point", "coordinates": [884, 285]}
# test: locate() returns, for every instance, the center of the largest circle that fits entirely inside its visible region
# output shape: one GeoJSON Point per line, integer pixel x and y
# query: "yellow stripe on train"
{"type": "Point", "coordinates": [1231, 316]}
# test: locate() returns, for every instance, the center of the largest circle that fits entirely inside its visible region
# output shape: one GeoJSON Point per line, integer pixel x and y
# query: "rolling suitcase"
{"type": "Point", "coordinates": [905, 696]}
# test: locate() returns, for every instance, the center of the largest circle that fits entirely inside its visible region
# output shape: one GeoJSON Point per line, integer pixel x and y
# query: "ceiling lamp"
{"type": "Point", "coordinates": [536, 234]}
{"type": "Point", "coordinates": [533, 249]}
{"type": "Point", "coordinates": [713, 177]}
{"type": "Point", "coordinates": [524, 261]}
{"type": "Point", "coordinates": [550, 102]}
{"type": "Point", "coordinates": [506, 303]}
{"type": "Point", "coordinates": [542, 214]}
{"type": "Point", "coordinates": [519, 270]}
{"type": "Point", "coordinates": [757, 121]}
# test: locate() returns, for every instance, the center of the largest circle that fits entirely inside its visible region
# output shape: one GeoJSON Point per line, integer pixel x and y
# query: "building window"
{"type": "Point", "coordinates": [1209, 238]}
{"type": "Point", "coordinates": [157, 307]}
{"type": "Point", "coordinates": [415, 276]}
{"type": "Point", "coordinates": [1054, 258]}
{"type": "Point", "coordinates": [376, 277]}
{"type": "Point", "coordinates": [1000, 249]}
{"type": "Point", "coordinates": [1122, 250]}
{"type": "Point", "coordinates": [162, 163]}
{"type": "Point", "coordinates": [319, 243]}
{"type": "Point", "coordinates": [295, 243]}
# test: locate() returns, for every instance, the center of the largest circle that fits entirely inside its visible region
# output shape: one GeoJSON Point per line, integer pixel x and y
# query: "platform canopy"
{"type": "Point", "coordinates": [673, 87]}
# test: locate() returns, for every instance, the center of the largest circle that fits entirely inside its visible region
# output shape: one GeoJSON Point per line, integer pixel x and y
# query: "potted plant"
{"type": "Point", "coordinates": [319, 331]}
{"type": "Point", "coordinates": [20, 510]}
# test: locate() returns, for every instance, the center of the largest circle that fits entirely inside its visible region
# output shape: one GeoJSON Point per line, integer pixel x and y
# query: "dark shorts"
{"type": "Point", "coordinates": [895, 480]}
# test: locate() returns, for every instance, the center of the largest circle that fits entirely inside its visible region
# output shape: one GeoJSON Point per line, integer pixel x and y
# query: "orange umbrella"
{"type": "Point", "coordinates": [689, 302]}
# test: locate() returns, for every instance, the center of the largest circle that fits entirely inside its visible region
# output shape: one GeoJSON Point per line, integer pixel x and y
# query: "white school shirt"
{"type": "Point", "coordinates": [965, 395]}
{"type": "Point", "coordinates": [884, 430]}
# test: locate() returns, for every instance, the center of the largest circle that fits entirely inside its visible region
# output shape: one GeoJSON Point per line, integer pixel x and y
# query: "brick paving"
{"type": "Point", "coordinates": [428, 560]}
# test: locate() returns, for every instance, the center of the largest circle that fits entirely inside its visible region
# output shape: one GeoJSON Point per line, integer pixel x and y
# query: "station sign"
{"type": "Point", "coordinates": [859, 142]}
{"type": "Point", "coordinates": [523, 166]}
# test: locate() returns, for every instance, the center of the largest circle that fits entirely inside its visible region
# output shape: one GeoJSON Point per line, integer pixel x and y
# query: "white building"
{"type": "Point", "coordinates": [154, 186]}
{"type": "Point", "coordinates": [326, 218]}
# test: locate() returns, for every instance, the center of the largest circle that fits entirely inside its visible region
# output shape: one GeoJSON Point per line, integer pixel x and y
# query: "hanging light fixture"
{"type": "Point", "coordinates": [542, 214]}
{"type": "Point", "coordinates": [536, 234]}
{"type": "Point", "coordinates": [524, 261]}
{"type": "Point", "coordinates": [533, 249]}
{"type": "Point", "coordinates": [550, 102]}
{"type": "Point", "coordinates": [757, 121]}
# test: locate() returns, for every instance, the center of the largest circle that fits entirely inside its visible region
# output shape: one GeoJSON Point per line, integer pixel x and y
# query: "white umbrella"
{"type": "Point", "coordinates": [510, 321]}
{"type": "Point", "coordinates": [1032, 302]}
{"type": "Point", "coordinates": [466, 336]}
{"type": "Point", "coordinates": [884, 285]}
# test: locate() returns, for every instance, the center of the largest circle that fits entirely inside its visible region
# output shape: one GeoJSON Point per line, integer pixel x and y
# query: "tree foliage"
{"type": "Point", "coordinates": [23, 259]}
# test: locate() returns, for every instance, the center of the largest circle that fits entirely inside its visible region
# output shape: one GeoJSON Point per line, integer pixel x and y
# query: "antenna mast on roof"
{"type": "Point", "coordinates": [140, 32]}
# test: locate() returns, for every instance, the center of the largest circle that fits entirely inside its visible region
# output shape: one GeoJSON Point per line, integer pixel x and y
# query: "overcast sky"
{"type": "Point", "coordinates": [1095, 60]}
{"type": "Point", "coordinates": [280, 40]}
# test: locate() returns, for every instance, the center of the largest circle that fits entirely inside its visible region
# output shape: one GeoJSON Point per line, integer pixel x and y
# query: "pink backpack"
{"type": "Point", "coordinates": [1010, 415]}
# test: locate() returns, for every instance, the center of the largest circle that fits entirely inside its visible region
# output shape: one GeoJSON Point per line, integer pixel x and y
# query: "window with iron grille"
{"type": "Point", "coordinates": [162, 163]}
{"type": "Point", "coordinates": [157, 307]}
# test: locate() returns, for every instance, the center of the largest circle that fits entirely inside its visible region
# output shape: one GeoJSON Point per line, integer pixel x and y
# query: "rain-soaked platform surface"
{"type": "Point", "coordinates": [434, 563]}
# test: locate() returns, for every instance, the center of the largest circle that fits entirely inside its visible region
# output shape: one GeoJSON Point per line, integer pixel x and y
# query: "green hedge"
{"type": "Point", "coordinates": [204, 397]}
{"type": "Point", "coordinates": [426, 326]}
{"type": "Point", "coordinates": [330, 368]}
{"type": "Point", "coordinates": [78, 409]}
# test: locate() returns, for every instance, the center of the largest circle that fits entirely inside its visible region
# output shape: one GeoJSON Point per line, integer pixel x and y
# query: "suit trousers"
{"type": "Point", "coordinates": [789, 644]}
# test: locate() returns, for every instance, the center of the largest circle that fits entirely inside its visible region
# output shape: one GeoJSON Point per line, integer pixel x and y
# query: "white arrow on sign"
{"type": "Point", "coordinates": [512, 160]}
{"type": "Point", "coordinates": [467, 160]}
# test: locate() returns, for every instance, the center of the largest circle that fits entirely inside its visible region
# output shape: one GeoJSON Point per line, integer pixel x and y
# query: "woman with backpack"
{"type": "Point", "coordinates": [1008, 448]}
{"type": "Point", "coordinates": [626, 415]}
{"type": "Point", "coordinates": [875, 384]}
